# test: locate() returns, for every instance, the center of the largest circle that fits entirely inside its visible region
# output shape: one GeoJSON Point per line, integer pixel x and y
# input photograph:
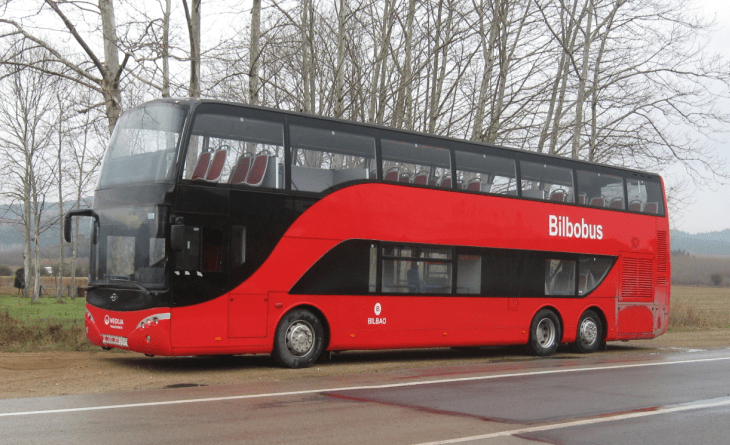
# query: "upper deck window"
{"type": "Point", "coordinates": [645, 196]}
{"type": "Point", "coordinates": [545, 181]}
{"type": "Point", "coordinates": [143, 145]}
{"type": "Point", "coordinates": [416, 164]}
{"type": "Point", "coordinates": [601, 190]}
{"type": "Point", "coordinates": [485, 173]}
{"type": "Point", "coordinates": [323, 158]}
{"type": "Point", "coordinates": [235, 149]}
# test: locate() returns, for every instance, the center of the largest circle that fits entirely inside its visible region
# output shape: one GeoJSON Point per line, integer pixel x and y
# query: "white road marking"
{"type": "Point", "coordinates": [356, 388]}
{"type": "Point", "coordinates": [716, 403]}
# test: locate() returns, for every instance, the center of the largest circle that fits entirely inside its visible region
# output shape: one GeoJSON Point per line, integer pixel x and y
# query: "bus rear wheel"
{"type": "Point", "coordinates": [590, 333]}
{"type": "Point", "coordinates": [299, 339]}
{"type": "Point", "coordinates": [544, 333]}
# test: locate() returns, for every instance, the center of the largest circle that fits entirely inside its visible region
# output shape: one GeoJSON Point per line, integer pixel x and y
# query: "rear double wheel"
{"type": "Point", "coordinates": [545, 333]}
{"type": "Point", "coordinates": [590, 333]}
{"type": "Point", "coordinates": [299, 339]}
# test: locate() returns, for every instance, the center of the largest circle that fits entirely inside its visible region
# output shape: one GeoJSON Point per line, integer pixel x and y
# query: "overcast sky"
{"type": "Point", "coordinates": [710, 210]}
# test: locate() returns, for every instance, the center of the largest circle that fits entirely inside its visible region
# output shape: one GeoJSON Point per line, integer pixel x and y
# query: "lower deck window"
{"type": "Point", "coordinates": [559, 277]}
{"type": "Point", "coordinates": [416, 270]}
{"type": "Point", "coordinates": [361, 267]}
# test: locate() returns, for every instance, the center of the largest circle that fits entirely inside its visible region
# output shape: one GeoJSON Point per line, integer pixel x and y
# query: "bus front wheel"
{"type": "Point", "coordinates": [299, 339]}
{"type": "Point", "coordinates": [590, 333]}
{"type": "Point", "coordinates": [544, 333]}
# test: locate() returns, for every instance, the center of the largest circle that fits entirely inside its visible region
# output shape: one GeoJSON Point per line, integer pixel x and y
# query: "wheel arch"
{"type": "Point", "coordinates": [602, 315]}
{"type": "Point", "coordinates": [318, 313]}
{"type": "Point", "coordinates": [557, 313]}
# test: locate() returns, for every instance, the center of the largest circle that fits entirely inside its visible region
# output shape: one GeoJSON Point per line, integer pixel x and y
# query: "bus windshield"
{"type": "Point", "coordinates": [131, 246]}
{"type": "Point", "coordinates": [143, 146]}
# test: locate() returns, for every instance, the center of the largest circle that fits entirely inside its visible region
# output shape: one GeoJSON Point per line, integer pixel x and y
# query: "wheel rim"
{"type": "Point", "coordinates": [545, 333]}
{"type": "Point", "coordinates": [300, 338]}
{"type": "Point", "coordinates": [588, 331]}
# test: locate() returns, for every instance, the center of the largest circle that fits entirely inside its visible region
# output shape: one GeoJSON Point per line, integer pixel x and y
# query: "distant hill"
{"type": "Point", "coordinates": [710, 243]}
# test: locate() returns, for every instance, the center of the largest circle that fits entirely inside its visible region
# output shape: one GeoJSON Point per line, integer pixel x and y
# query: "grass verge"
{"type": "Point", "coordinates": [26, 326]}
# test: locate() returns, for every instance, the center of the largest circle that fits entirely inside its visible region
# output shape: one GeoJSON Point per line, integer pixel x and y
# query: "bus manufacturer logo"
{"type": "Point", "coordinates": [113, 297]}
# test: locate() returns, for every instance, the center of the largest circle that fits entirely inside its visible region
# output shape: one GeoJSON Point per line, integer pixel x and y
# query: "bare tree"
{"type": "Point", "coordinates": [108, 69]}
{"type": "Point", "coordinates": [192, 16]}
{"type": "Point", "coordinates": [25, 142]}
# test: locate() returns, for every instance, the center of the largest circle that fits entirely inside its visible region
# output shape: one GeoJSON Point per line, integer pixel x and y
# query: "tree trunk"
{"type": "Point", "coordinates": [192, 16]}
{"type": "Point", "coordinates": [340, 68]}
{"type": "Point", "coordinates": [307, 35]}
{"type": "Point", "coordinates": [487, 44]}
{"type": "Point", "coordinates": [166, 49]}
{"type": "Point", "coordinates": [583, 75]}
{"type": "Point", "coordinates": [112, 69]}
{"type": "Point", "coordinates": [254, 54]}
{"type": "Point", "coordinates": [59, 283]}
{"type": "Point", "coordinates": [405, 88]}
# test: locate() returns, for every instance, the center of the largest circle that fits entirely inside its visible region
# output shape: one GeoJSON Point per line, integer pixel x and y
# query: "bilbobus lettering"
{"type": "Point", "coordinates": [562, 227]}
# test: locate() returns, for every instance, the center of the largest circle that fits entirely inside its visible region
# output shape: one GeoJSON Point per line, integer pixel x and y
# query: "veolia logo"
{"type": "Point", "coordinates": [110, 320]}
{"type": "Point", "coordinates": [563, 227]}
{"type": "Point", "coordinates": [378, 309]}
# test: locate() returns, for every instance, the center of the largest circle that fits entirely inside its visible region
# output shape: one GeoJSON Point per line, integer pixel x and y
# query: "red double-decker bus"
{"type": "Point", "coordinates": [228, 229]}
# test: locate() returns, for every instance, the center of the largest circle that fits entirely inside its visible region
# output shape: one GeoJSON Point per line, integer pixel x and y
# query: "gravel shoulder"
{"type": "Point", "coordinates": [55, 373]}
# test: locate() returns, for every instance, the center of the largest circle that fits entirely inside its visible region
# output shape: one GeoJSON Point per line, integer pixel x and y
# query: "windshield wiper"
{"type": "Point", "coordinates": [126, 280]}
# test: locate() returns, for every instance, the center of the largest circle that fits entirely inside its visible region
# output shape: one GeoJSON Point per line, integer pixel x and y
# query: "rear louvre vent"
{"type": "Point", "coordinates": [636, 279]}
{"type": "Point", "coordinates": [661, 254]}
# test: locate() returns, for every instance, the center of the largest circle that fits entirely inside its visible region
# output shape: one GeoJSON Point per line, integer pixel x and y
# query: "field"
{"type": "Point", "coordinates": [48, 324]}
{"type": "Point", "coordinates": [697, 308]}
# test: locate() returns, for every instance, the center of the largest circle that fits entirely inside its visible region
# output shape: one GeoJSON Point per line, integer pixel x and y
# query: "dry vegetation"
{"type": "Point", "coordinates": [699, 308]}
{"type": "Point", "coordinates": [691, 270]}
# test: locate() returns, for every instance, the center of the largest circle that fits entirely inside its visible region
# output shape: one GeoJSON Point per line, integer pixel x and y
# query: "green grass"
{"type": "Point", "coordinates": [47, 308]}
{"type": "Point", "coordinates": [26, 326]}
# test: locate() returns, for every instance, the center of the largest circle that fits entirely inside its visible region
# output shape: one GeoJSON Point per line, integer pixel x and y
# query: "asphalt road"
{"type": "Point", "coordinates": [646, 399]}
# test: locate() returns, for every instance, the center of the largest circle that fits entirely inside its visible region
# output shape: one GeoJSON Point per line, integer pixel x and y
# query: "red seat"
{"type": "Point", "coordinates": [635, 206]}
{"type": "Point", "coordinates": [201, 168]}
{"type": "Point", "coordinates": [651, 207]}
{"type": "Point", "coordinates": [392, 174]}
{"type": "Point", "coordinates": [241, 170]}
{"type": "Point", "coordinates": [445, 182]}
{"type": "Point", "coordinates": [557, 196]}
{"type": "Point", "coordinates": [598, 201]}
{"type": "Point", "coordinates": [258, 170]}
{"type": "Point", "coordinates": [617, 203]}
{"type": "Point", "coordinates": [582, 198]}
{"type": "Point", "coordinates": [421, 178]}
{"type": "Point", "coordinates": [474, 185]}
{"type": "Point", "coordinates": [216, 166]}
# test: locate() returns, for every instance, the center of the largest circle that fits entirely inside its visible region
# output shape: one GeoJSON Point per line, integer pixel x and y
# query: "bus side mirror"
{"type": "Point", "coordinates": [177, 235]}
{"type": "Point", "coordinates": [81, 212]}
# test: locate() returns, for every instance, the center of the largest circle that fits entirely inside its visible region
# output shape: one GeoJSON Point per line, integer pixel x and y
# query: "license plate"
{"type": "Point", "coordinates": [114, 340]}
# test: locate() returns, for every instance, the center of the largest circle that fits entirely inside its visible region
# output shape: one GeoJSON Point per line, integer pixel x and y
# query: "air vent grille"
{"type": "Point", "coordinates": [636, 278]}
{"type": "Point", "coordinates": [662, 251]}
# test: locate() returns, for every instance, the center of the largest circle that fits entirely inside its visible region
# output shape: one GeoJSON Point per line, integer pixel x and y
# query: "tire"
{"type": "Point", "coordinates": [299, 339]}
{"type": "Point", "coordinates": [589, 337]}
{"type": "Point", "coordinates": [545, 333]}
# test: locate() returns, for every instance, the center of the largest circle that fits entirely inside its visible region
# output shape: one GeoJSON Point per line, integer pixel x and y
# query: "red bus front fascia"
{"type": "Point", "coordinates": [146, 331]}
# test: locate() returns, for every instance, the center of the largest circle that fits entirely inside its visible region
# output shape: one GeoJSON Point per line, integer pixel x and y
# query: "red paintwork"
{"type": "Point", "coordinates": [397, 213]}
